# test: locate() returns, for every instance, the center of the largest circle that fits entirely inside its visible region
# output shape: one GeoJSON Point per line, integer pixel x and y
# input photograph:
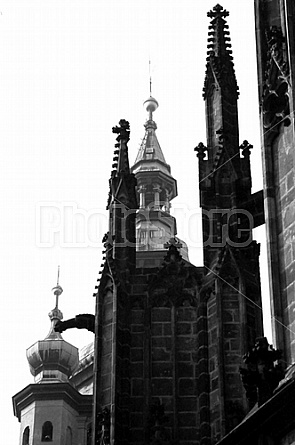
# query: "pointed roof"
{"type": "Point", "coordinates": [150, 155]}
{"type": "Point", "coordinates": [121, 155]}
{"type": "Point", "coordinates": [122, 180]}
{"type": "Point", "coordinates": [219, 68]}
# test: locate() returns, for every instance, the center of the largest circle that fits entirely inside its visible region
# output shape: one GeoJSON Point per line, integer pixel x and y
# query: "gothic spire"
{"type": "Point", "coordinates": [121, 160]}
{"type": "Point", "coordinates": [219, 68]}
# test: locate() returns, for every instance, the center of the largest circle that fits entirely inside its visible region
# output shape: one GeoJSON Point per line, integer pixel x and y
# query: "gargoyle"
{"type": "Point", "coordinates": [81, 321]}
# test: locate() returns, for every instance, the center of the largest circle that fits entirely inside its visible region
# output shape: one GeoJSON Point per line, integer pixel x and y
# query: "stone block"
{"type": "Point", "coordinates": [189, 434]}
{"type": "Point", "coordinates": [124, 386]}
{"type": "Point", "coordinates": [212, 320]}
{"type": "Point", "coordinates": [157, 329]}
{"type": "Point", "coordinates": [137, 316]}
{"type": "Point", "coordinates": [185, 370]}
{"type": "Point", "coordinates": [136, 354]}
{"type": "Point", "coordinates": [137, 387]}
{"type": "Point", "coordinates": [108, 312]}
{"type": "Point", "coordinates": [106, 347]}
{"type": "Point", "coordinates": [186, 387]}
{"type": "Point", "coordinates": [139, 279]}
{"type": "Point", "coordinates": [137, 340]}
{"type": "Point", "coordinates": [161, 314]}
{"type": "Point", "coordinates": [164, 342]}
{"type": "Point", "coordinates": [106, 332]}
{"type": "Point", "coordinates": [137, 328]}
{"type": "Point", "coordinates": [186, 314]}
{"type": "Point", "coordinates": [214, 400]}
{"type": "Point", "coordinates": [162, 387]}
{"type": "Point", "coordinates": [136, 420]}
{"type": "Point", "coordinates": [187, 420]}
{"type": "Point", "coordinates": [106, 397]}
{"type": "Point", "coordinates": [162, 369]}
{"type": "Point", "coordinates": [289, 215]}
{"type": "Point", "coordinates": [234, 345]}
{"type": "Point", "coordinates": [137, 436]}
{"type": "Point", "coordinates": [138, 289]}
{"type": "Point", "coordinates": [290, 275]}
{"type": "Point", "coordinates": [106, 381]}
{"type": "Point", "coordinates": [231, 330]}
{"type": "Point", "coordinates": [186, 343]}
{"type": "Point", "coordinates": [212, 310]}
{"type": "Point", "coordinates": [136, 369]}
{"type": "Point", "coordinates": [187, 404]}
{"type": "Point", "coordinates": [160, 355]}
{"type": "Point", "coordinates": [183, 328]}
{"type": "Point", "coordinates": [214, 384]}
{"type": "Point", "coordinates": [166, 329]}
{"type": "Point", "coordinates": [290, 180]}
{"type": "Point", "coordinates": [106, 364]}
{"type": "Point", "coordinates": [213, 336]}
{"type": "Point", "coordinates": [136, 403]}
{"type": "Point", "coordinates": [212, 364]}
{"type": "Point", "coordinates": [185, 356]}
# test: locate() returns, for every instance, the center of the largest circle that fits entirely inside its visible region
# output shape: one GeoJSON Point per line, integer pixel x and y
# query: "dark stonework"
{"type": "Point", "coordinates": [261, 376]}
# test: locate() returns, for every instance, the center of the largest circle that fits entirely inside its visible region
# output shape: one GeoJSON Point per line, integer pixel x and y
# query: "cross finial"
{"type": "Point", "coordinates": [218, 11]}
{"type": "Point", "coordinates": [173, 242]}
{"type": "Point", "coordinates": [123, 130]}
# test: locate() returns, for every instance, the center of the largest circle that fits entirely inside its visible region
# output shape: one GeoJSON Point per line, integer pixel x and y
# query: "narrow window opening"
{"type": "Point", "coordinates": [47, 432]}
{"type": "Point", "coordinates": [26, 436]}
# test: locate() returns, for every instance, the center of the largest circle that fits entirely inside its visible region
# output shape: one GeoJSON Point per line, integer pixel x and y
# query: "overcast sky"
{"type": "Point", "coordinates": [69, 71]}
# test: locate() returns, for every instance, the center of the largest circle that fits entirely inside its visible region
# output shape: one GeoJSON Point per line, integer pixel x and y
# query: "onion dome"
{"type": "Point", "coordinates": [53, 359]}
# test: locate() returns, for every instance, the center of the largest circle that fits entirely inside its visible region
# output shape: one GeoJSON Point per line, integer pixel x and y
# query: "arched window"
{"type": "Point", "coordinates": [26, 436]}
{"type": "Point", "coordinates": [47, 432]}
{"type": "Point", "coordinates": [69, 436]}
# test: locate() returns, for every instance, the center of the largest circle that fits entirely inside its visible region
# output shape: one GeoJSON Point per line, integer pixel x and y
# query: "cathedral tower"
{"type": "Point", "coordinates": [230, 303]}
{"type": "Point", "coordinates": [145, 339]}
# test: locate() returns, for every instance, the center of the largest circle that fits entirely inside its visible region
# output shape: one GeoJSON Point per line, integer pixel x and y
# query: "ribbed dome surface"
{"type": "Point", "coordinates": [53, 358]}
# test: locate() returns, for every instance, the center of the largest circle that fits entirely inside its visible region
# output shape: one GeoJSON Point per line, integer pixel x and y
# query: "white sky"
{"type": "Point", "coordinates": [69, 71]}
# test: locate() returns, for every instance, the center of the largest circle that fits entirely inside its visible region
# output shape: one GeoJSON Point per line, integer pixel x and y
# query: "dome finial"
{"type": "Point", "coordinates": [151, 104]}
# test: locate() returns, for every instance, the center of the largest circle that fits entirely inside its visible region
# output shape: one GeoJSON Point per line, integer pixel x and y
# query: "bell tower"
{"type": "Point", "coordinates": [156, 188]}
{"type": "Point", "coordinates": [51, 409]}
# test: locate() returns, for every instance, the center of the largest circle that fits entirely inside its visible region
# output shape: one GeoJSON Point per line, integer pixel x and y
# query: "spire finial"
{"type": "Point", "coordinates": [58, 270]}
{"type": "Point", "coordinates": [57, 290]}
{"type": "Point", "coordinates": [150, 77]}
{"type": "Point", "coordinates": [151, 105]}
{"type": "Point", "coordinates": [218, 11]}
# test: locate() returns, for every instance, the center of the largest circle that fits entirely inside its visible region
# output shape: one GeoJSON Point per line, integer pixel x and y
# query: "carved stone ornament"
{"type": "Point", "coordinates": [260, 375]}
{"type": "Point", "coordinates": [275, 100]}
{"type": "Point", "coordinates": [123, 130]}
{"type": "Point", "coordinates": [104, 426]}
{"type": "Point", "coordinates": [172, 285]}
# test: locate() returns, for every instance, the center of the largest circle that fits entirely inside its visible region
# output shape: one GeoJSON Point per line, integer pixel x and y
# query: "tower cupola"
{"type": "Point", "coordinates": [53, 359]}
{"type": "Point", "coordinates": [156, 187]}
